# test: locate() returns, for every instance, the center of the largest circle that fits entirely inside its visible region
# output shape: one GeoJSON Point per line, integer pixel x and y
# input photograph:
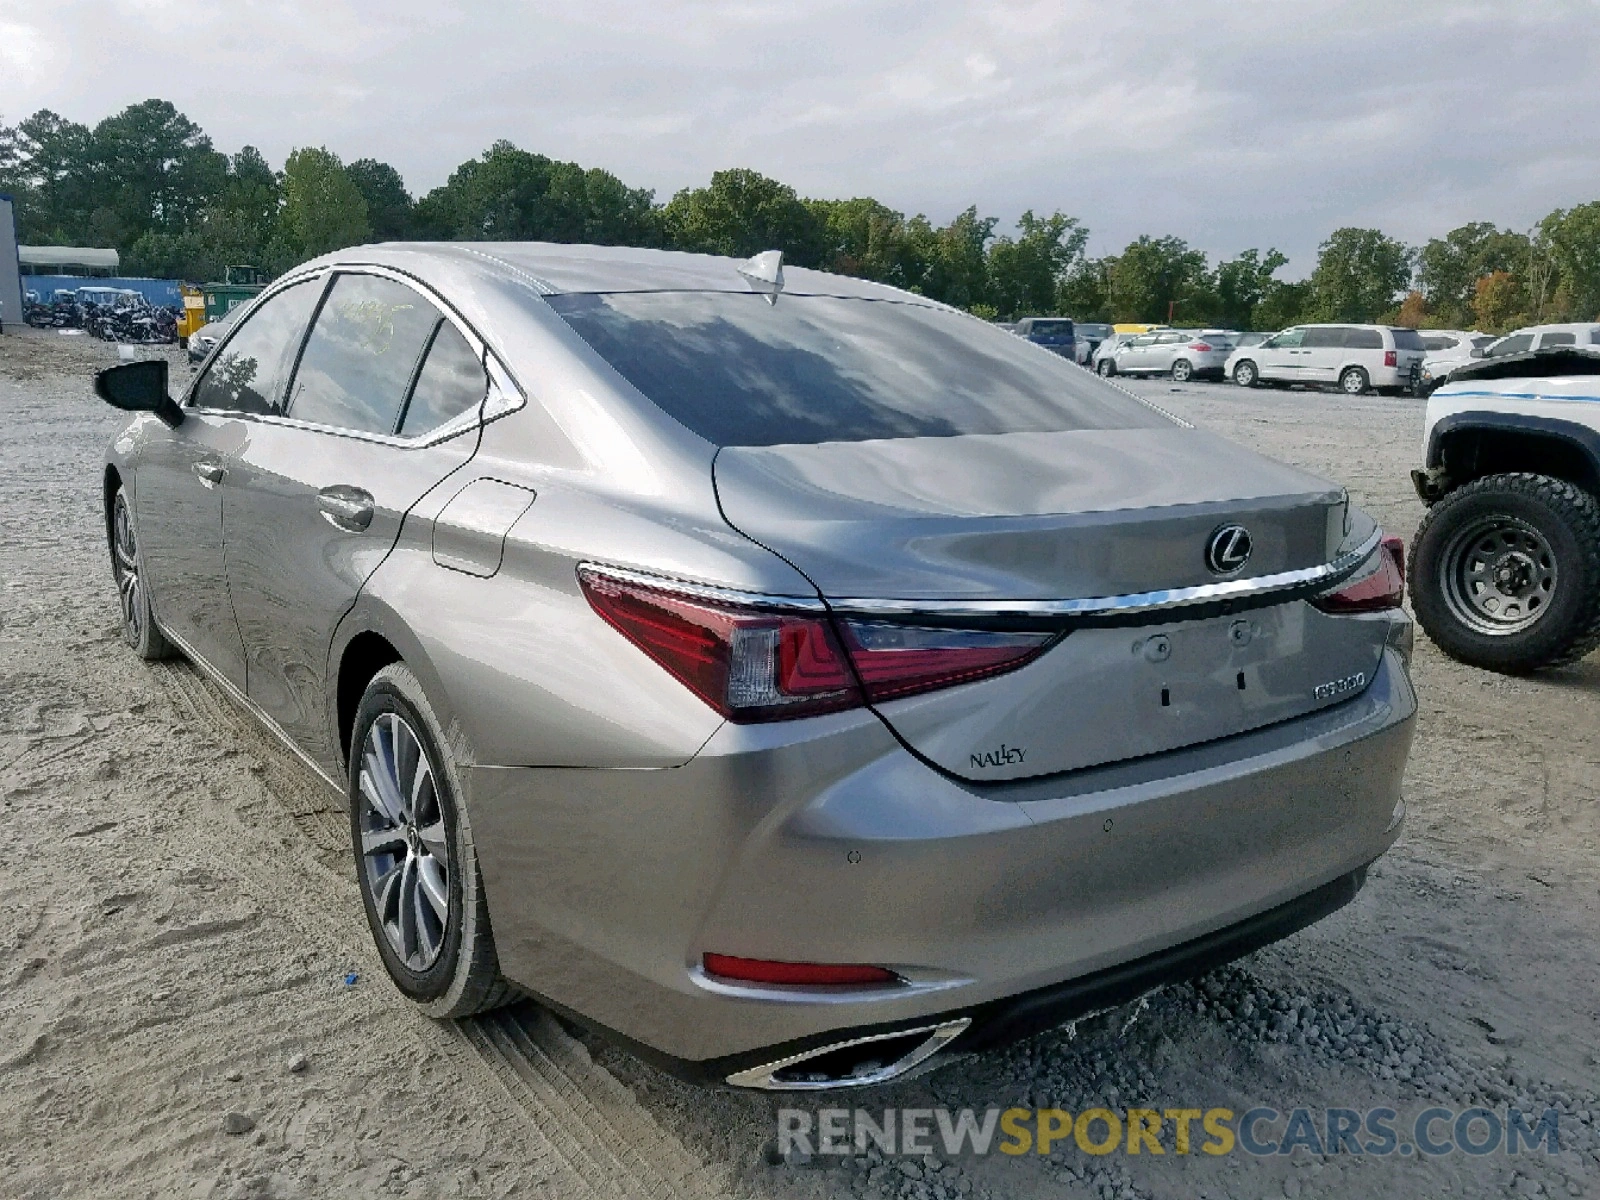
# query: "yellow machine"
{"type": "Point", "coordinates": [194, 312]}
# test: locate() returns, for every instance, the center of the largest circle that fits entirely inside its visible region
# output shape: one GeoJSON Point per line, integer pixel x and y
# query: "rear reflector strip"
{"type": "Point", "coordinates": [759, 970]}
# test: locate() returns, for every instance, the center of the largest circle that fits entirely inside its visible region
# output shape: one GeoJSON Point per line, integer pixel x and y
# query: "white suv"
{"type": "Point", "coordinates": [1356, 357]}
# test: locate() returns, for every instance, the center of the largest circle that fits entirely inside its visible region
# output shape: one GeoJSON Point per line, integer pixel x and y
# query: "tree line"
{"type": "Point", "coordinates": [149, 182]}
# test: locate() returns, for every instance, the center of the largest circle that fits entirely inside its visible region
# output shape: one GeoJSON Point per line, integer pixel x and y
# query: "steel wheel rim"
{"type": "Point", "coordinates": [1244, 374]}
{"type": "Point", "coordinates": [1498, 575]}
{"type": "Point", "coordinates": [125, 563]}
{"type": "Point", "coordinates": [405, 854]}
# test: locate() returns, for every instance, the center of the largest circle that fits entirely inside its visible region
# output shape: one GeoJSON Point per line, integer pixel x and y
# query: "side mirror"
{"type": "Point", "coordinates": [1476, 352]}
{"type": "Point", "coordinates": [139, 387]}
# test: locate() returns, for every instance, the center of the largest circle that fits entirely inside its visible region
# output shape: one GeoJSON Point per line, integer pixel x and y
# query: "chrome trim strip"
{"type": "Point", "coordinates": [1205, 593]}
{"type": "Point", "coordinates": [939, 1036]}
{"type": "Point", "coordinates": [1307, 578]}
{"type": "Point", "coordinates": [705, 591]}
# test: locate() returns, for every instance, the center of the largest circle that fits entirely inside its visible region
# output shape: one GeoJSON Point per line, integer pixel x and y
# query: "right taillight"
{"type": "Point", "coordinates": [755, 663]}
{"type": "Point", "coordinates": [1391, 358]}
{"type": "Point", "coordinates": [1382, 587]}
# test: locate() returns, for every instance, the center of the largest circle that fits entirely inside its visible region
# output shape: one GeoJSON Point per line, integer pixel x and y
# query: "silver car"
{"type": "Point", "coordinates": [794, 678]}
{"type": "Point", "coordinates": [1180, 354]}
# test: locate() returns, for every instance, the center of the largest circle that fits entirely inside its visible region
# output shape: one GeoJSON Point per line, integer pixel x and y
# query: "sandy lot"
{"type": "Point", "coordinates": [182, 950]}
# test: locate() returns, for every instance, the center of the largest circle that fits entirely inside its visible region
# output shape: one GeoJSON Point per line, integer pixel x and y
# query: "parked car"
{"type": "Point", "coordinates": [1506, 563]}
{"type": "Point", "coordinates": [688, 662]}
{"type": "Point", "coordinates": [1356, 357]}
{"type": "Point", "coordinates": [1053, 333]}
{"type": "Point", "coordinates": [1089, 335]}
{"type": "Point", "coordinates": [1447, 349]}
{"type": "Point", "coordinates": [1171, 352]}
{"type": "Point", "coordinates": [204, 339]}
{"type": "Point", "coordinates": [1534, 337]}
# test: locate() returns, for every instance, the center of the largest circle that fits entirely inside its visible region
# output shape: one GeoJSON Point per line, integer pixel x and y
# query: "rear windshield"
{"type": "Point", "coordinates": [740, 372]}
{"type": "Point", "coordinates": [1050, 329]}
{"type": "Point", "coordinates": [1406, 339]}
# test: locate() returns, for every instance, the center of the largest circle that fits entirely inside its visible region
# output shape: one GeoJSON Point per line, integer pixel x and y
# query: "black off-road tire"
{"type": "Point", "coordinates": [1566, 517]}
{"type": "Point", "coordinates": [465, 978]}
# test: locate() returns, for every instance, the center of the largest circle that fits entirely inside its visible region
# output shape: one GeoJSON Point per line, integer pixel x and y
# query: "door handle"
{"type": "Point", "coordinates": [346, 507]}
{"type": "Point", "coordinates": [209, 473]}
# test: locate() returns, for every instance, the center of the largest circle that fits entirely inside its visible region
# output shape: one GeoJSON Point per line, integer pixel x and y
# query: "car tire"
{"type": "Point", "coordinates": [1245, 373]}
{"type": "Point", "coordinates": [1182, 371]}
{"type": "Point", "coordinates": [139, 628]}
{"type": "Point", "coordinates": [414, 849]}
{"type": "Point", "coordinates": [1353, 381]}
{"type": "Point", "coordinates": [1537, 536]}
{"type": "Point", "coordinates": [1105, 368]}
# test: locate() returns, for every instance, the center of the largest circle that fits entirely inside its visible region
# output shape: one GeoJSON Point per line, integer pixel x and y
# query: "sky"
{"type": "Point", "coordinates": [1231, 126]}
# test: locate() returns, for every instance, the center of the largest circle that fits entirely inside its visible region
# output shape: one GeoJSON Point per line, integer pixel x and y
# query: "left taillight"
{"type": "Point", "coordinates": [1200, 347]}
{"type": "Point", "coordinates": [757, 663]}
{"type": "Point", "coordinates": [1381, 587]}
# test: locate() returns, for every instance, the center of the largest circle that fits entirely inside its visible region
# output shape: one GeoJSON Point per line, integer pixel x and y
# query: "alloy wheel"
{"type": "Point", "coordinates": [1245, 374]}
{"type": "Point", "coordinates": [1498, 575]}
{"type": "Point", "coordinates": [125, 559]}
{"type": "Point", "coordinates": [405, 851]}
{"type": "Point", "coordinates": [1181, 371]}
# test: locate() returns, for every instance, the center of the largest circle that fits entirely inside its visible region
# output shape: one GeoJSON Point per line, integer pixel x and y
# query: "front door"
{"type": "Point", "coordinates": [383, 406]}
{"type": "Point", "coordinates": [1277, 356]}
{"type": "Point", "coordinates": [183, 477]}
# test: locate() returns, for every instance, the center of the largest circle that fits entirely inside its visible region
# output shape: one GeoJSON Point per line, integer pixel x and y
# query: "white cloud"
{"type": "Point", "coordinates": [1248, 124]}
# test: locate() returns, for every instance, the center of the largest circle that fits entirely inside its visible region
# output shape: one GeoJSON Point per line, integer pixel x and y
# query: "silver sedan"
{"type": "Point", "coordinates": [1176, 353]}
{"type": "Point", "coordinates": [792, 677]}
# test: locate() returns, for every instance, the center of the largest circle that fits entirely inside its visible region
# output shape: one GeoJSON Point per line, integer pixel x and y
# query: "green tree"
{"type": "Point", "coordinates": [1361, 274]}
{"type": "Point", "coordinates": [741, 213]}
{"type": "Point", "coordinates": [1026, 272]}
{"type": "Point", "coordinates": [1154, 277]}
{"type": "Point", "coordinates": [388, 203]}
{"type": "Point", "coordinates": [1241, 284]}
{"type": "Point", "coordinates": [864, 238]}
{"type": "Point", "coordinates": [1283, 305]}
{"type": "Point", "coordinates": [53, 171]}
{"type": "Point", "coordinates": [1573, 238]}
{"type": "Point", "coordinates": [1085, 292]}
{"type": "Point", "coordinates": [510, 194]}
{"type": "Point", "coordinates": [152, 168]}
{"type": "Point", "coordinates": [322, 208]}
{"type": "Point", "coordinates": [951, 263]}
{"type": "Point", "coordinates": [1449, 268]}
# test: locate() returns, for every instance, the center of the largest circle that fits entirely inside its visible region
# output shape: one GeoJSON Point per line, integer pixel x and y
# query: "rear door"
{"type": "Point", "coordinates": [384, 404]}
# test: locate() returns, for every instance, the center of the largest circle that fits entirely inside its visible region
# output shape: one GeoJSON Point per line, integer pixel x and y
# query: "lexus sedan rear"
{"type": "Point", "coordinates": [790, 676]}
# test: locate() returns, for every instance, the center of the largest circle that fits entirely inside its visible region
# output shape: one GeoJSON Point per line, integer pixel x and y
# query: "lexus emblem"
{"type": "Point", "coordinates": [1228, 550]}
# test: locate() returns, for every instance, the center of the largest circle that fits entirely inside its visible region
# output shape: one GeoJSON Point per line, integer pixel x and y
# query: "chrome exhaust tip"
{"type": "Point", "coordinates": [857, 1062]}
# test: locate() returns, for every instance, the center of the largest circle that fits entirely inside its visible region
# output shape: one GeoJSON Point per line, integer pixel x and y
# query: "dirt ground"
{"type": "Point", "coordinates": [182, 951]}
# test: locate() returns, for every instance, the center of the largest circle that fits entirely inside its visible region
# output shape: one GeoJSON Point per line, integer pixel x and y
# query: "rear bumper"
{"type": "Point", "coordinates": [825, 841]}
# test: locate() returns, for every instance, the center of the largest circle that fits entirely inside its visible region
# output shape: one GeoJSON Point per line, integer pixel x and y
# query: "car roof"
{"type": "Point", "coordinates": [561, 269]}
{"type": "Point", "coordinates": [1562, 327]}
{"type": "Point", "coordinates": [1532, 364]}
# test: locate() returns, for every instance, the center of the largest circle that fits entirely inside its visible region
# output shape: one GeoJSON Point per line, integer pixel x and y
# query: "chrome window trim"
{"type": "Point", "coordinates": [704, 591]}
{"type": "Point", "coordinates": [1305, 579]}
{"type": "Point", "coordinates": [504, 396]}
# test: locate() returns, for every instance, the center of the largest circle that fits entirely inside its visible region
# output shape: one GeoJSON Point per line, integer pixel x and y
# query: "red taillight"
{"type": "Point", "coordinates": [1202, 347]}
{"type": "Point", "coordinates": [1390, 358]}
{"type": "Point", "coordinates": [758, 970]}
{"type": "Point", "coordinates": [1379, 589]}
{"type": "Point", "coordinates": [754, 664]}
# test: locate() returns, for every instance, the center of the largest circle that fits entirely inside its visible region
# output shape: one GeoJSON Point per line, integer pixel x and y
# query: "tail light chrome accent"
{"type": "Point", "coordinates": [1381, 587]}
{"type": "Point", "coordinates": [759, 661]}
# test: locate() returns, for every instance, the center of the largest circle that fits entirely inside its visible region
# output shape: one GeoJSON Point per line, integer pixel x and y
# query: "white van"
{"type": "Point", "coordinates": [1356, 357]}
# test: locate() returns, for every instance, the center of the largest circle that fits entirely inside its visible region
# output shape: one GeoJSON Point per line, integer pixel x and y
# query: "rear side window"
{"type": "Point", "coordinates": [1369, 339]}
{"type": "Point", "coordinates": [1558, 339]}
{"type": "Point", "coordinates": [1482, 343]}
{"type": "Point", "coordinates": [1322, 338]}
{"type": "Point", "coordinates": [1515, 344]}
{"type": "Point", "coordinates": [361, 355]}
{"type": "Point", "coordinates": [249, 373]}
{"type": "Point", "coordinates": [1404, 339]}
{"type": "Point", "coordinates": [451, 381]}
{"type": "Point", "coordinates": [741, 372]}
{"type": "Point", "coordinates": [1438, 343]}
